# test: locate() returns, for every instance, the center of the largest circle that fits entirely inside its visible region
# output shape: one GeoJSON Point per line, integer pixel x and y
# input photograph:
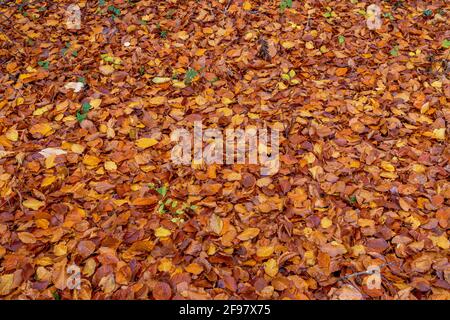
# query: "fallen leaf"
{"type": "Point", "coordinates": [162, 291]}
{"type": "Point", "coordinates": [90, 160]}
{"type": "Point", "coordinates": [248, 234]}
{"type": "Point", "coordinates": [162, 232]}
{"type": "Point", "coordinates": [194, 268]}
{"type": "Point", "coordinates": [106, 69]}
{"type": "Point", "coordinates": [6, 284]}
{"type": "Point", "coordinates": [271, 267]}
{"type": "Point", "coordinates": [33, 204]}
{"type": "Point", "coordinates": [26, 237]}
{"type": "Point", "coordinates": [146, 142]}
{"type": "Point", "coordinates": [12, 134]}
{"type": "Point", "coordinates": [264, 251]}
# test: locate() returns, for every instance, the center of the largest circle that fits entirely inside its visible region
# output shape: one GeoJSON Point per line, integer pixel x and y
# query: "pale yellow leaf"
{"type": "Point", "coordinates": [106, 69]}
{"type": "Point", "coordinates": [146, 142]}
{"type": "Point", "coordinates": [110, 165]}
{"type": "Point", "coordinates": [326, 223]}
{"type": "Point", "coordinates": [48, 181]}
{"type": "Point", "coordinates": [271, 267]}
{"type": "Point", "coordinates": [12, 134]}
{"type": "Point", "coordinates": [158, 100]}
{"type": "Point", "coordinates": [162, 232]}
{"type": "Point", "coordinates": [33, 204]}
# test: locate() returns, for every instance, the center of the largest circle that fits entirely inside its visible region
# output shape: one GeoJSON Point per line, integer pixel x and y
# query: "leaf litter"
{"type": "Point", "coordinates": [86, 177]}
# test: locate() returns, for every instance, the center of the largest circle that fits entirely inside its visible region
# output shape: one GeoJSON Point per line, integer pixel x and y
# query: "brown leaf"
{"type": "Point", "coordinates": [162, 291]}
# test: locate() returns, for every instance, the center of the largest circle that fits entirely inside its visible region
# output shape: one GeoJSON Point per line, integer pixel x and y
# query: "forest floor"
{"type": "Point", "coordinates": [93, 207]}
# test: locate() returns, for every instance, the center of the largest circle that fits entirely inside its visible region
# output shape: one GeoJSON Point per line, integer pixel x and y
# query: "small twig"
{"type": "Point", "coordinates": [365, 272]}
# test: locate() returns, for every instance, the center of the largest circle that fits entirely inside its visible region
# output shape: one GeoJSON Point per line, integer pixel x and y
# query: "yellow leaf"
{"type": "Point", "coordinates": [106, 69]}
{"type": "Point", "coordinates": [42, 223]}
{"type": "Point", "coordinates": [91, 160]}
{"type": "Point", "coordinates": [227, 101]}
{"type": "Point", "coordinates": [288, 44]}
{"type": "Point", "coordinates": [292, 74]}
{"type": "Point", "coordinates": [358, 250]}
{"type": "Point", "coordinates": [6, 284]}
{"type": "Point", "coordinates": [310, 258]}
{"type": "Point", "coordinates": [146, 142]}
{"type": "Point", "coordinates": [264, 182]}
{"type": "Point", "coordinates": [316, 171]}
{"type": "Point", "coordinates": [232, 176]}
{"type": "Point", "coordinates": [323, 49]}
{"type": "Point", "coordinates": [366, 223]}
{"type": "Point", "coordinates": [60, 249]}
{"type": "Point", "coordinates": [41, 111]}
{"type": "Point", "coordinates": [437, 84]}
{"type": "Point", "coordinates": [355, 164]}
{"type": "Point", "coordinates": [12, 134]}
{"type": "Point", "coordinates": [33, 204]}
{"type": "Point", "coordinates": [200, 52]}
{"type": "Point", "coordinates": [285, 76]}
{"type": "Point", "coordinates": [439, 134]}
{"type": "Point", "coordinates": [309, 157]}
{"type": "Point", "coordinates": [48, 181]}
{"type": "Point", "coordinates": [248, 234]}
{"type": "Point", "coordinates": [194, 268]}
{"type": "Point", "coordinates": [211, 249]}
{"type": "Point", "coordinates": [110, 165]}
{"type": "Point", "coordinates": [183, 35]}
{"type": "Point", "coordinates": [265, 251]}
{"type": "Point", "coordinates": [50, 161]}
{"type": "Point", "coordinates": [326, 223]}
{"type": "Point", "coordinates": [179, 84]}
{"type": "Point", "coordinates": [271, 267]}
{"type": "Point", "coordinates": [387, 166]}
{"type": "Point", "coordinates": [309, 45]}
{"type": "Point", "coordinates": [165, 265]}
{"type": "Point", "coordinates": [200, 100]}
{"type": "Point", "coordinates": [418, 168]}
{"type": "Point", "coordinates": [162, 232]}
{"type": "Point", "coordinates": [225, 111]}
{"type": "Point", "coordinates": [247, 6]}
{"type": "Point", "coordinates": [282, 86]}
{"type": "Point", "coordinates": [388, 175]}
{"type": "Point", "coordinates": [42, 128]}
{"type": "Point", "coordinates": [95, 103]}
{"type": "Point", "coordinates": [441, 241]}
{"type": "Point", "coordinates": [44, 261]}
{"type": "Point", "coordinates": [24, 76]}
{"type": "Point", "coordinates": [77, 148]}
{"type": "Point", "coordinates": [158, 100]}
{"type": "Point", "coordinates": [159, 80]}
{"type": "Point", "coordinates": [413, 221]}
